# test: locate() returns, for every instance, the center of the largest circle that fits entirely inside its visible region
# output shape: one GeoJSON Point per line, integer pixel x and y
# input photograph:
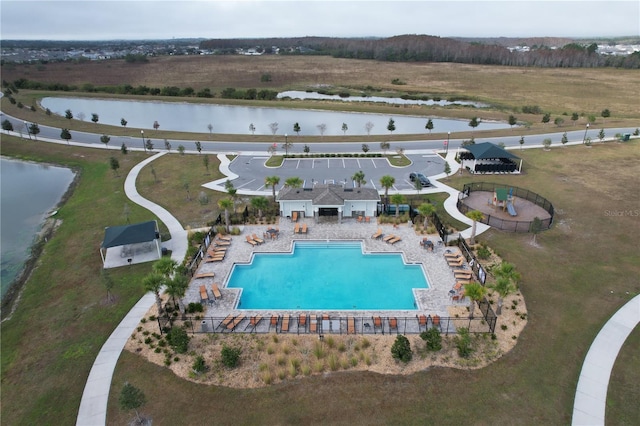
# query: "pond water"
{"type": "Point", "coordinates": [187, 117]}
{"type": "Point", "coordinates": [28, 193]}
{"type": "Point", "coordinates": [297, 94]}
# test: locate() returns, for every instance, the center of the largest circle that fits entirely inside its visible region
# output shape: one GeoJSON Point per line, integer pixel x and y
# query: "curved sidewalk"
{"type": "Point", "coordinates": [590, 404]}
{"type": "Point", "coordinates": [93, 406]}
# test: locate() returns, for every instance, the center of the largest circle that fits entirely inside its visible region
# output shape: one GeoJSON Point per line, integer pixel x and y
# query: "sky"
{"type": "Point", "coordinates": [162, 19]}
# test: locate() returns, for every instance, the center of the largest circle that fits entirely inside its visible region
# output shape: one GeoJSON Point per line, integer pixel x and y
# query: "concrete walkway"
{"type": "Point", "coordinates": [589, 406]}
{"type": "Point", "coordinates": [93, 406]}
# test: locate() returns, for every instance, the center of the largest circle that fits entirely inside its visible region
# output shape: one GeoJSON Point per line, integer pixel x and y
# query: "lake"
{"type": "Point", "coordinates": [227, 119]}
{"type": "Point", "coordinates": [29, 191]}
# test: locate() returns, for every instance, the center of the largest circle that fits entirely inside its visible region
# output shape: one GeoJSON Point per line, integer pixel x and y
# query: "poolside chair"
{"type": "Point", "coordinates": [453, 254]}
{"type": "Point", "coordinates": [275, 319]}
{"type": "Point", "coordinates": [204, 296]}
{"type": "Point", "coordinates": [223, 237]}
{"type": "Point", "coordinates": [250, 241]}
{"type": "Point", "coordinates": [313, 324]}
{"type": "Point", "coordinates": [458, 285]}
{"type": "Point", "coordinates": [351, 325]}
{"type": "Point", "coordinates": [422, 322]}
{"type": "Point", "coordinates": [435, 322]}
{"type": "Point", "coordinates": [302, 322]}
{"type": "Point", "coordinates": [214, 259]}
{"type": "Point", "coordinates": [216, 291]}
{"type": "Point", "coordinates": [393, 324]}
{"type": "Point", "coordinates": [378, 234]}
{"type": "Point", "coordinates": [296, 229]}
{"type": "Point", "coordinates": [255, 238]}
{"type": "Point", "coordinates": [456, 263]}
{"type": "Point", "coordinates": [205, 275]}
{"type": "Point", "coordinates": [304, 228]}
{"type": "Point", "coordinates": [216, 253]}
{"type": "Point", "coordinates": [388, 237]}
{"type": "Point", "coordinates": [225, 322]}
{"type": "Point", "coordinates": [294, 216]}
{"type": "Point", "coordinates": [377, 323]}
{"type": "Point", "coordinates": [221, 243]}
{"type": "Point", "coordinates": [253, 323]}
{"type": "Point", "coordinates": [367, 219]}
{"type": "Point", "coordinates": [233, 324]}
{"type": "Point", "coordinates": [359, 219]}
{"type": "Point", "coordinates": [284, 327]}
{"type": "Point", "coordinates": [394, 240]}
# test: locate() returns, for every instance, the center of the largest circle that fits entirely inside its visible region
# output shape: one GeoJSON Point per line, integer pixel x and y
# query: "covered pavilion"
{"type": "Point", "coordinates": [489, 158]}
{"type": "Point", "coordinates": [129, 244]}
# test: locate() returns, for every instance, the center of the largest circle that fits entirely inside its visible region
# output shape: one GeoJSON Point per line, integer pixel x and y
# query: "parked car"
{"type": "Point", "coordinates": [420, 178]}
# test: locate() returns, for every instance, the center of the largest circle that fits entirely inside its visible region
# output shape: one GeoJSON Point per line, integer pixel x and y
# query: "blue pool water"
{"type": "Point", "coordinates": [327, 276]}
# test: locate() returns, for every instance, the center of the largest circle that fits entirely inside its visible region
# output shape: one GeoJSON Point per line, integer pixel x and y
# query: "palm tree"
{"type": "Point", "coordinates": [387, 182]}
{"type": "Point", "coordinates": [259, 203]}
{"type": "Point", "coordinates": [226, 204]}
{"type": "Point", "coordinates": [507, 270]}
{"type": "Point", "coordinates": [426, 210]}
{"type": "Point", "coordinates": [164, 266]}
{"type": "Point", "coordinates": [272, 181]}
{"type": "Point", "coordinates": [504, 287]}
{"type": "Point", "coordinates": [397, 199]}
{"type": "Point", "coordinates": [359, 179]}
{"type": "Point", "coordinates": [154, 283]}
{"type": "Point", "coordinates": [293, 182]}
{"type": "Point", "coordinates": [475, 216]}
{"type": "Point", "coordinates": [475, 292]}
{"type": "Point", "coordinates": [177, 287]}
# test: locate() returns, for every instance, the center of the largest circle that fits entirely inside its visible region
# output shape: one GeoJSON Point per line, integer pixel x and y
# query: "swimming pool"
{"type": "Point", "coordinates": [327, 276]}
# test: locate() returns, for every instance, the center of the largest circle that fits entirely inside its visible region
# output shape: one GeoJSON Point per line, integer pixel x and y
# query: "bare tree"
{"type": "Point", "coordinates": [274, 128]}
{"type": "Point", "coordinates": [368, 126]}
{"type": "Point", "coordinates": [322, 128]}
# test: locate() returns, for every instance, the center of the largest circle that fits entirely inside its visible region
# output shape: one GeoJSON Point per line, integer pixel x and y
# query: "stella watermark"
{"type": "Point", "coordinates": [622, 213]}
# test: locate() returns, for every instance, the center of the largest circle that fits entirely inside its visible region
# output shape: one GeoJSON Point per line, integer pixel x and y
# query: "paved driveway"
{"type": "Point", "coordinates": [251, 170]}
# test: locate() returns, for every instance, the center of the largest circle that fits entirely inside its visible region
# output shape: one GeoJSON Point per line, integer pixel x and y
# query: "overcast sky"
{"type": "Point", "coordinates": [154, 19]}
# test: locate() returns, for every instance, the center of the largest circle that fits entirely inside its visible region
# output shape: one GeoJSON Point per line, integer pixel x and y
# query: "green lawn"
{"type": "Point", "coordinates": [49, 345]}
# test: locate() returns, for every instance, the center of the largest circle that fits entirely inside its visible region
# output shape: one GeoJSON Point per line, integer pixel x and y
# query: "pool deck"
{"type": "Point", "coordinates": [431, 301]}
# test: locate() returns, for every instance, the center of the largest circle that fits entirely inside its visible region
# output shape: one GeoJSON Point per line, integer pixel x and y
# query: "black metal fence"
{"type": "Point", "coordinates": [295, 324]}
{"type": "Point", "coordinates": [506, 224]}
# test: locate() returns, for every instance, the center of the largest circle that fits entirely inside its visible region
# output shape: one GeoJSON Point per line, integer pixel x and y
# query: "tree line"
{"type": "Point", "coordinates": [423, 48]}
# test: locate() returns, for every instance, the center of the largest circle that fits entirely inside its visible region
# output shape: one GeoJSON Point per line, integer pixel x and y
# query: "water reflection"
{"type": "Point", "coordinates": [187, 117]}
{"type": "Point", "coordinates": [297, 94]}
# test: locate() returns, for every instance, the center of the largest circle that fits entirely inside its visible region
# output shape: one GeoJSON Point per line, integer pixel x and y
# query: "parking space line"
{"type": "Point", "coordinates": [343, 165]}
{"type": "Point", "coordinates": [358, 161]}
{"type": "Point", "coordinates": [298, 164]}
{"type": "Point", "coordinates": [313, 163]}
{"type": "Point", "coordinates": [247, 183]}
{"type": "Point", "coordinates": [374, 163]}
{"type": "Point", "coordinates": [328, 161]}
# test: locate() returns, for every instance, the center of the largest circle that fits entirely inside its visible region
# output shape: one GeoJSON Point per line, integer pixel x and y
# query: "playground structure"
{"type": "Point", "coordinates": [505, 200]}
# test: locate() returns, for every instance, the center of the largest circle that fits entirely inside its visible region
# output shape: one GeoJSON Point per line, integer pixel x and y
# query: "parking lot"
{"type": "Point", "coordinates": [252, 171]}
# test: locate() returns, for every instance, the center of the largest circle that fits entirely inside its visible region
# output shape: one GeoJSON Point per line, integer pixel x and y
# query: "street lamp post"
{"type": "Point", "coordinates": [143, 144]}
{"type": "Point", "coordinates": [28, 131]}
{"type": "Point", "coordinates": [447, 148]}
{"type": "Point", "coordinates": [584, 138]}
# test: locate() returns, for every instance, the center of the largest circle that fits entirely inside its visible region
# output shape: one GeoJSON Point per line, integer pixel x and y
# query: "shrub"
{"type": "Point", "coordinates": [433, 339]}
{"type": "Point", "coordinates": [463, 342]}
{"type": "Point", "coordinates": [484, 252]}
{"type": "Point", "coordinates": [199, 365]}
{"type": "Point", "coordinates": [401, 349]}
{"type": "Point", "coordinates": [195, 307]}
{"type": "Point", "coordinates": [230, 356]}
{"type": "Point", "coordinates": [178, 340]}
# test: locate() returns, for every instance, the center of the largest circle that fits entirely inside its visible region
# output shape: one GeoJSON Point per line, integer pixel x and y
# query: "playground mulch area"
{"type": "Point", "coordinates": [527, 211]}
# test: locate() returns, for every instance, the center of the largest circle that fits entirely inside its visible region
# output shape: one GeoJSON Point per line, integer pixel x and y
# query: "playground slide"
{"type": "Point", "coordinates": [511, 209]}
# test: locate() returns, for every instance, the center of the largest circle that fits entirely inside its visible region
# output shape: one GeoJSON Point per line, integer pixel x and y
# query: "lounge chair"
{"type": "Point", "coordinates": [394, 240]}
{"type": "Point", "coordinates": [378, 234]}
{"type": "Point", "coordinates": [436, 321]}
{"type": "Point", "coordinates": [216, 291]}
{"type": "Point", "coordinates": [359, 219]}
{"type": "Point", "coordinates": [253, 322]}
{"type": "Point", "coordinates": [456, 263]}
{"type": "Point", "coordinates": [223, 237]}
{"type": "Point", "coordinates": [296, 229]}
{"type": "Point", "coordinates": [302, 322]}
{"type": "Point", "coordinates": [463, 274]}
{"type": "Point", "coordinates": [250, 241]}
{"type": "Point", "coordinates": [221, 243]}
{"type": "Point", "coordinates": [294, 216]}
{"type": "Point", "coordinates": [453, 254]}
{"type": "Point", "coordinates": [422, 321]}
{"type": "Point", "coordinates": [204, 296]}
{"type": "Point", "coordinates": [214, 259]}
{"type": "Point", "coordinates": [275, 319]}
{"type": "Point", "coordinates": [304, 228]}
{"type": "Point", "coordinates": [377, 323]}
{"type": "Point", "coordinates": [351, 325]}
{"type": "Point", "coordinates": [313, 324]}
{"type": "Point", "coordinates": [233, 324]}
{"type": "Point", "coordinates": [255, 238]}
{"type": "Point", "coordinates": [393, 324]}
{"type": "Point", "coordinates": [284, 327]}
{"type": "Point", "coordinates": [205, 275]}
{"type": "Point", "coordinates": [388, 237]}
{"type": "Point", "coordinates": [225, 322]}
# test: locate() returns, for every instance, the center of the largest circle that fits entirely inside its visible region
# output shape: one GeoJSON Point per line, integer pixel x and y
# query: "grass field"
{"type": "Point", "coordinates": [586, 267]}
